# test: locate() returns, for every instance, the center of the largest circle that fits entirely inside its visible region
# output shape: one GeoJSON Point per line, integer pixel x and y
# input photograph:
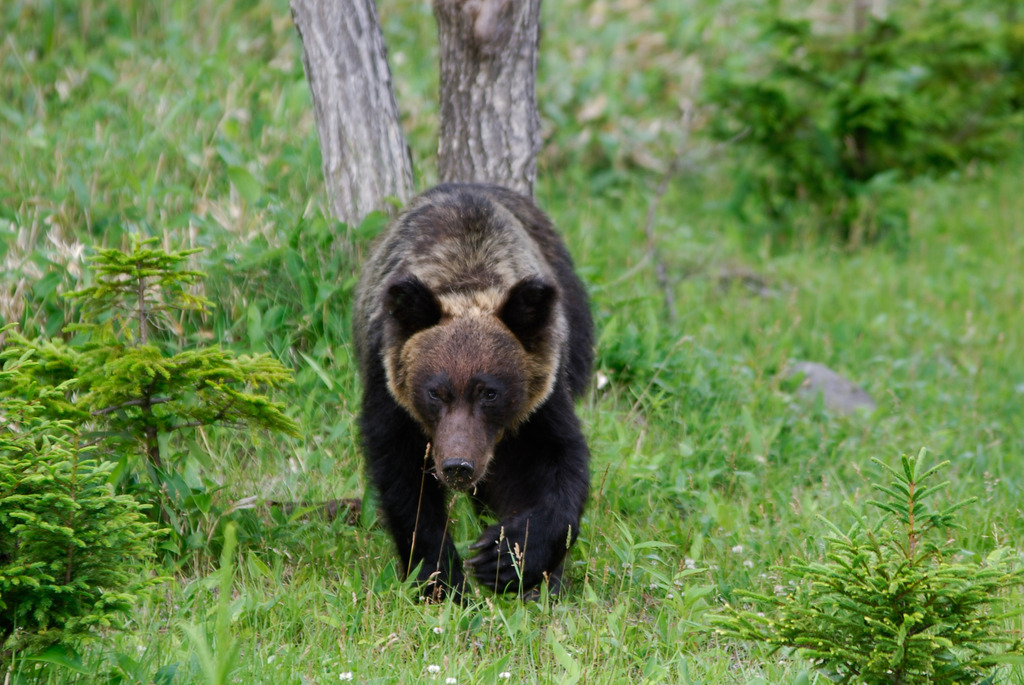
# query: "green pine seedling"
{"type": "Point", "coordinates": [136, 387]}
{"type": "Point", "coordinates": [127, 387]}
{"type": "Point", "coordinates": [890, 604]}
{"type": "Point", "coordinates": [69, 546]}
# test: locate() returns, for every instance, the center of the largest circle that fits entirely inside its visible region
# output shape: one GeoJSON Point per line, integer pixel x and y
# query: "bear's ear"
{"type": "Point", "coordinates": [411, 304]}
{"type": "Point", "coordinates": [527, 310]}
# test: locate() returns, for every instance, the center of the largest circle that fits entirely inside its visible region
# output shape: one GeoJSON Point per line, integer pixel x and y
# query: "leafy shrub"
{"type": "Point", "coordinates": [838, 121]}
{"type": "Point", "coordinates": [68, 545]}
{"type": "Point", "coordinates": [890, 605]}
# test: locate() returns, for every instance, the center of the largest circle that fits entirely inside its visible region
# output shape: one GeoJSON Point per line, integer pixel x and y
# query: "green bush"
{"type": "Point", "coordinates": [837, 120]}
{"type": "Point", "coordinates": [69, 546]}
{"type": "Point", "coordinates": [889, 604]}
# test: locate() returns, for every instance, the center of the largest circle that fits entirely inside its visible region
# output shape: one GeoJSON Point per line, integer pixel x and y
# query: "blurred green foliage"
{"type": "Point", "coordinates": [835, 119]}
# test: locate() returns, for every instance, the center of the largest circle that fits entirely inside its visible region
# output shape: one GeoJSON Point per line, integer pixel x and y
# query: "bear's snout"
{"type": "Point", "coordinates": [461, 448]}
{"type": "Point", "coordinates": [458, 473]}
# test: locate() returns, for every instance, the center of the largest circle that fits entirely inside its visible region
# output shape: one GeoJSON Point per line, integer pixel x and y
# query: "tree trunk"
{"type": "Point", "coordinates": [490, 127]}
{"type": "Point", "coordinates": [365, 155]}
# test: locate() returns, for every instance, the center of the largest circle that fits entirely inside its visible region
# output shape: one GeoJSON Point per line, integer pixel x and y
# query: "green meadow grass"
{"type": "Point", "coordinates": [192, 121]}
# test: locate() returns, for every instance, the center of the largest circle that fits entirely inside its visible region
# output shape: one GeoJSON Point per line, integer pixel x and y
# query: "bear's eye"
{"type": "Point", "coordinates": [434, 395]}
{"type": "Point", "coordinates": [490, 395]}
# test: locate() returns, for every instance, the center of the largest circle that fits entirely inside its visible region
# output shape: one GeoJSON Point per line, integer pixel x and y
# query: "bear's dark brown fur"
{"type": "Point", "coordinates": [474, 335]}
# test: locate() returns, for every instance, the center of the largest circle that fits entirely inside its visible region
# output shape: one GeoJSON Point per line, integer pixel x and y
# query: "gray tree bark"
{"type": "Point", "coordinates": [490, 126]}
{"type": "Point", "coordinates": [365, 155]}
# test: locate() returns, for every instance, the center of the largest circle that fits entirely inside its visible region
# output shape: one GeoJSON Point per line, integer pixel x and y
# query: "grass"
{"type": "Point", "coordinates": [191, 121]}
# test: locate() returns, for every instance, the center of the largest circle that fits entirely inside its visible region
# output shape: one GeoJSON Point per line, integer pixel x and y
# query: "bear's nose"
{"type": "Point", "coordinates": [458, 473]}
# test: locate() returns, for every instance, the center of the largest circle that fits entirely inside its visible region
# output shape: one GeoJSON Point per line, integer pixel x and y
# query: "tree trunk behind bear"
{"type": "Point", "coordinates": [365, 156]}
{"type": "Point", "coordinates": [490, 126]}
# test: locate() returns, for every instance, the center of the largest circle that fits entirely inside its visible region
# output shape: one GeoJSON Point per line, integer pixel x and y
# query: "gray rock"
{"type": "Point", "coordinates": [839, 394]}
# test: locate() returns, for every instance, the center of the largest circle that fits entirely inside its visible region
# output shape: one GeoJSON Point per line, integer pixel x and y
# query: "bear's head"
{"type": "Point", "coordinates": [469, 375]}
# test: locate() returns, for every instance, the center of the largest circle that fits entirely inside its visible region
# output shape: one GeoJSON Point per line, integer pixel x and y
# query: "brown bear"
{"type": "Point", "coordinates": [474, 336]}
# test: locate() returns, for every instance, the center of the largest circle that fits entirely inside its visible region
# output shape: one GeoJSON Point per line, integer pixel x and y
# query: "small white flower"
{"type": "Point", "coordinates": [602, 380]}
{"type": "Point", "coordinates": [347, 675]}
{"type": "Point", "coordinates": [738, 549]}
{"type": "Point", "coordinates": [271, 658]}
{"type": "Point", "coordinates": [690, 564]}
{"type": "Point", "coordinates": [669, 596]}
{"type": "Point", "coordinates": [747, 563]}
{"type": "Point", "coordinates": [433, 668]}
{"type": "Point", "coordinates": [504, 675]}
{"type": "Point", "coordinates": [450, 681]}
{"type": "Point", "coordinates": [438, 630]}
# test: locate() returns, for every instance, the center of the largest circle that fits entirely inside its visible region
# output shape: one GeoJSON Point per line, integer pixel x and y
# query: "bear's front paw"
{"type": "Point", "coordinates": [498, 562]}
{"type": "Point", "coordinates": [505, 559]}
